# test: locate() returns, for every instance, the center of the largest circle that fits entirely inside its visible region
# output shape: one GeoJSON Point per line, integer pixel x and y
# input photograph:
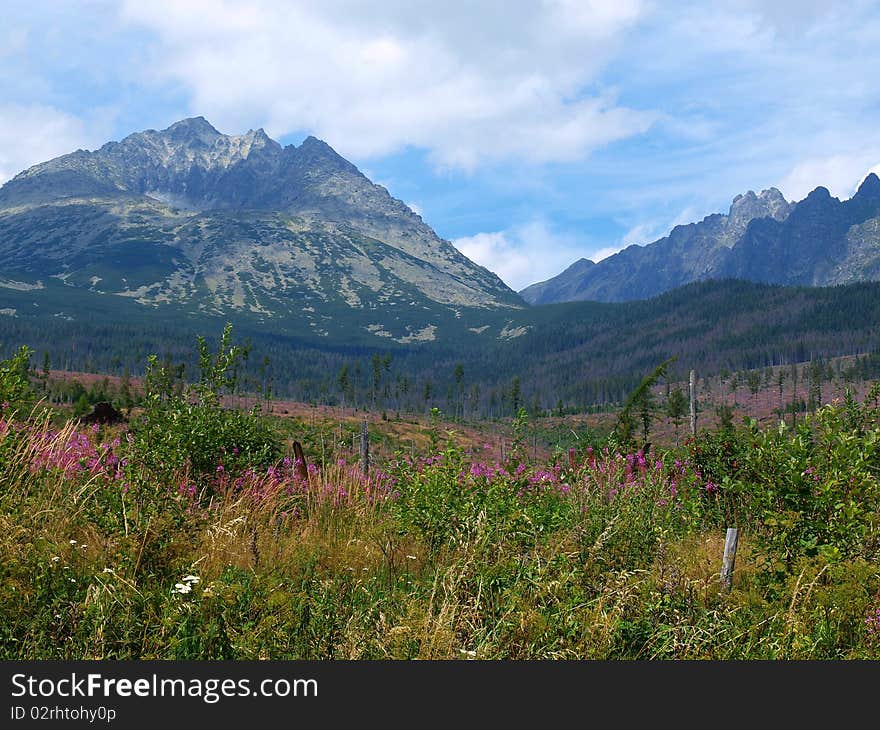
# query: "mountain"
{"type": "Point", "coordinates": [564, 287]}
{"type": "Point", "coordinates": [820, 241]}
{"type": "Point", "coordinates": [190, 220]}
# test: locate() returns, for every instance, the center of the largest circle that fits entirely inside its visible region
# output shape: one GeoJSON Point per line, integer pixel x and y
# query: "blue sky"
{"type": "Point", "coordinates": [528, 133]}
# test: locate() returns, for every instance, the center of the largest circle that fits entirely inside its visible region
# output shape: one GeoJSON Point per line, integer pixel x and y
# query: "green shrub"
{"type": "Point", "coordinates": [15, 385]}
{"type": "Point", "coordinates": [815, 490]}
{"type": "Point", "coordinates": [189, 428]}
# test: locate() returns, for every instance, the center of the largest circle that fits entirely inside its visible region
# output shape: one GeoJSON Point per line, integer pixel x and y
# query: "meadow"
{"type": "Point", "coordinates": [193, 531]}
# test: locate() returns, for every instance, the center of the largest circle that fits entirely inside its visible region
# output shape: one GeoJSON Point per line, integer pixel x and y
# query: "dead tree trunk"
{"type": "Point", "coordinates": [365, 448]}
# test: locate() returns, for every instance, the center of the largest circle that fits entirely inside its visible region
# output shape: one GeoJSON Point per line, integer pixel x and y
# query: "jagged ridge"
{"type": "Point", "coordinates": [819, 241]}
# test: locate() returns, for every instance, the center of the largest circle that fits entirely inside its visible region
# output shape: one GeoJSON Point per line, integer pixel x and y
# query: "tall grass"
{"type": "Point", "coordinates": [597, 554]}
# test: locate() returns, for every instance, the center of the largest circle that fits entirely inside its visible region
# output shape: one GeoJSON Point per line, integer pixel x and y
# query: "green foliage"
{"type": "Point", "coordinates": [446, 504]}
{"type": "Point", "coordinates": [15, 385]}
{"type": "Point", "coordinates": [219, 372]}
{"type": "Point", "coordinates": [190, 429]}
{"type": "Point", "coordinates": [600, 554]}
{"type": "Point", "coordinates": [676, 406]}
{"type": "Point", "coordinates": [177, 434]}
{"type": "Point", "coordinates": [725, 413]}
{"type": "Point", "coordinates": [640, 402]}
{"type": "Point", "coordinates": [812, 491]}
{"type": "Point", "coordinates": [818, 486]}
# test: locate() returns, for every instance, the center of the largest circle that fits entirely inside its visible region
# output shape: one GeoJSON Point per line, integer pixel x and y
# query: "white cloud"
{"type": "Point", "coordinates": [646, 232]}
{"type": "Point", "coordinates": [841, 174]}
{"type": "Point", "coordinates": [523, 254]}
{"type": "Point", "coordinates": [33, 133]}
{"type": "Point", "coordinates": [468, 82]}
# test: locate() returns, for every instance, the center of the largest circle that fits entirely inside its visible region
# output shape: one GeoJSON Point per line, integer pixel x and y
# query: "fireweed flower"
{"type": "Point", "coordinates": [872, 622]}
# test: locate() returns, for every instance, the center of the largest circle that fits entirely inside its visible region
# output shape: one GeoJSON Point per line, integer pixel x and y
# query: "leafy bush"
{"type": "Point", "coordinates": [189, 428]}
{"type": "Point", "coordinates": [819, 486]}
{"type": "Point", "coordinates": [811, 491]}
{"type": "Point", "coordinates": [447, 499]}
{"type": "Point", "coordinates": [15, 385]}
{"type": "Point", "coordinates": [204, 439]}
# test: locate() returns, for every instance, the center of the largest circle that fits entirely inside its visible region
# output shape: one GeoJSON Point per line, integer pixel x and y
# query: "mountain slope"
{"type": "Point", "coordinates": [579, 352]}
{"type": "Point", "coordinates": [818, 241]}
{"type": "Point", "coordinates": [238, 225]}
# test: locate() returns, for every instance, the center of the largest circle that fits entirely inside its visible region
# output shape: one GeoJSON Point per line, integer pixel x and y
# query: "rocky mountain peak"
{"type": "Point", "coordinates": [773, 196]}
{"type": "Point", "coordinates": [769, 204]}
{"type": "Point", "coordinates": [820, 194]}
{"type": "Point", "coordinates": [869, 189]}
{"type": "Point", "coordinates": [314, 152]}
{"type": "Point", "coordinates": [194, 129]}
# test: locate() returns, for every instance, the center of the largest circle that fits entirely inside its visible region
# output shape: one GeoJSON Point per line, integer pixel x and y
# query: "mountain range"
{"type": "Point", "coordinates": [819, 241]}
{"type": "Point", "coordinates": [204, 222]}
{"type": "Point", "coordinates": [131, 249]}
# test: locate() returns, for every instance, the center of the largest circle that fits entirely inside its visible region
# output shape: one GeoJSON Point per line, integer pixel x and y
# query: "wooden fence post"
{"type": "Point", "coordinates": [693, 393]}
{"type": "Point", "coordinates": [365, 448]}
{"type": "Point", "coordinates": [300, 465]}
{"type": "Point", "coordinates": [730, 542]}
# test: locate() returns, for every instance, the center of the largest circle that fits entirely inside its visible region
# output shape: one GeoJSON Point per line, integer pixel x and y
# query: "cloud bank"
{"type": "Point", "coordinates": [470, 82]}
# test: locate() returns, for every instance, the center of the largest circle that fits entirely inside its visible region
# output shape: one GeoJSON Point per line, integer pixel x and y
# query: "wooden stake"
{"type": "Point", "coordinates": [727, 564]}
{"type": "Point", "coordinates": [302, 469]}
{"type": "Point", "coordinates": [693, 394]}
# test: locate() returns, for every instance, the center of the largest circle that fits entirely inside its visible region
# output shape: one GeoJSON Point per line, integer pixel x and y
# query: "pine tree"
{"type": "Point", "coordinates": [754, 382]}
{"type": "Point", "coordinates": [44, 377]}
{"type": "Point", "coordinates": [781, 377]}
{"type": "Point", "coordinates": [676, 407]}
{"type": "Point", "coordinates": [458, 374]}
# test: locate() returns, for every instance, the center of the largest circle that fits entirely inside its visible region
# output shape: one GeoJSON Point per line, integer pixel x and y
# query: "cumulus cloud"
{"type": "Point", "coordinates": [841, 174]}
{"type": "Point", "coordinates": [468, 82]}
{"type": "Point", "coordinates": [645, 232]}
{"type": "Point", "coordinates": [34, 133]}
{"type": "Point", "coordinates": [522, 254]}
